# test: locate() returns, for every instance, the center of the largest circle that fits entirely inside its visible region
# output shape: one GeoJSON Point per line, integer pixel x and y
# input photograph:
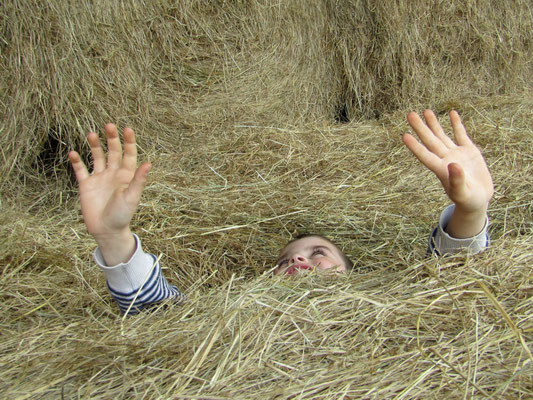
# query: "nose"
{"type": "Point", "coordinates": [297, 258]}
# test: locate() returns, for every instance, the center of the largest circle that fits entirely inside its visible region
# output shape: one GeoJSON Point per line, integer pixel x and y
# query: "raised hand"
{"type": "Point", "coordinates": [458, 165]}
{"type": "Point", "coordinates": [110, 195]}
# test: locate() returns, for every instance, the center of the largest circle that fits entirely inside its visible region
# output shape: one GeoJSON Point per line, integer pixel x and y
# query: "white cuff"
{"type": "Point", "coordinates": [129, 276]}
{"type": "Point", "coordinates": [444, 244]}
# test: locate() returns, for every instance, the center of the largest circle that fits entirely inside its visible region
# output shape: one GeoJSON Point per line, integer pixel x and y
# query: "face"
{"type": "Point", "coordinates": [308, 253]}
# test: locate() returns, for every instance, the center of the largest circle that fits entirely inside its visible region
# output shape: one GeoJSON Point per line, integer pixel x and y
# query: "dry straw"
{"type": "Point", "coordinates": [177, 68]}
{"type": "Point", "coordinates": [235, 104]}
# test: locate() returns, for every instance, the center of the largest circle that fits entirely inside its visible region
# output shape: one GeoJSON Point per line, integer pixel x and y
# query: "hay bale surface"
{"type": "Point", "coordinates": [400, 53]}
{"type": "Point", "coordinates": [235, 105]}
{"type": "Point", "coordinates": [172, 69]}
{"type": "Point", "coordinates": [400, 326]}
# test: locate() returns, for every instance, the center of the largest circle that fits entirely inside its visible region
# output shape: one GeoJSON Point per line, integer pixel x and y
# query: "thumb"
{"type": "Point", "coordinates": [456, 177]}
{"type": "Point", "coordinates": [136, 186]}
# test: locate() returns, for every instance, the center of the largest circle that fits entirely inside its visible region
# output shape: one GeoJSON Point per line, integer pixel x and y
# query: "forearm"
{"type": "Point", "coordinates": [441, 242]}
{"type": "Point", "coordinates": [466, 224]}
{"type": "Point", "coordinates": [116, 248]}
{"type": "Point", "coordinates": [138, 281]}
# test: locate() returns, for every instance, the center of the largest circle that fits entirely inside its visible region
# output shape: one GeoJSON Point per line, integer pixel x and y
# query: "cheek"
{"type": "Point", "coordinates": [280, 270]}
{"type": "Point", "coordinates": [327, 263]}
{"type": "Point", "coordinates": [341, 268]}
{"type": "Point", "coordinates": [324, 264]}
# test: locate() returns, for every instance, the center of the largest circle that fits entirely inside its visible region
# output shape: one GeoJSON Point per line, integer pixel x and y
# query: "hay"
{"type": "Point", "coordinates": [400, 326]}
{"type": "Point", "coordinates": [174, 69]}
{"type": "Point", "coordinates": [397, 54]}
{"type": "Point", "coordinates": [245, 156]}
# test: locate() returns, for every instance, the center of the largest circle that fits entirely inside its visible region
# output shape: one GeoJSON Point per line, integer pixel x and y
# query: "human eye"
{"type": "Point", "coordinates": [318, 252]}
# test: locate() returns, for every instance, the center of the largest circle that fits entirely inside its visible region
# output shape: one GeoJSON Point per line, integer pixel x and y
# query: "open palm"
{"type": "Point", "coordinates": [459, 166]}
{"type": "Point", "coordinates": [110, 195]}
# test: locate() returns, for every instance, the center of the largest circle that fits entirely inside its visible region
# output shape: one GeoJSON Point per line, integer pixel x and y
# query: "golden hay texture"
{"type": "Point", "coordinates": [173, 67]}
{"type": "Point", "coordinates": [235, 103]}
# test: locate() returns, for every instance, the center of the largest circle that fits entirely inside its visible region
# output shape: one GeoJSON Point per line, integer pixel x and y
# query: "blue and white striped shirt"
{"type": "Point", "coordinates": [138, 282]}
{"type": "Point", "coordinates": [155, 290]}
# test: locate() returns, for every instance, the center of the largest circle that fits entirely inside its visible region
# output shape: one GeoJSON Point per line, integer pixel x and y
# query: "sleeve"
{"type": "Point", "coordinates": [441, 243]}
{"type": "Point", "coordinates": [137, 281]}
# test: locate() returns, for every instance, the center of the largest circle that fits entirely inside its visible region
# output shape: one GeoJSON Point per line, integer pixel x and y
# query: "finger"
{"type": "Point", "coordinates": [114, 148]}
{"type": "Point", "coordinates": [136, 186]}
{"type": "Point", "coordinates": [456, 178]}
{"type": "Point", "coordinates": [129, 160]}
{"type": "Point", "coordinates": [433, 123]}
{"type": "Point", "coordinates": [80, 170]}
{"type": "Point", "coordinates": [97, 152]}
{"type": "Point", "coordinates": [426, 157]}
{"type": "Point", "coordinates": [426, 135]}
{"type": "Point", "coordinates": [459, 130]}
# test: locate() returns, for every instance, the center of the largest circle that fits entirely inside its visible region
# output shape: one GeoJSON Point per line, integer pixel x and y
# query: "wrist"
{"type": "Point", "coordinates": [471, 213]}
{"type": "Point", "coordinates": [103, 238]}
{"type": "Point", "coordinates": [466, 223]}
{"type": "Point", "coordinates": [117, 247]}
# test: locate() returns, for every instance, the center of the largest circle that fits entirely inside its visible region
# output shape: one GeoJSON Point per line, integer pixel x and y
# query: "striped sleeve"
{"type": "Point", "coordinates": [137, 281]}
{"type": "Point", "coordinates": [442, 244]}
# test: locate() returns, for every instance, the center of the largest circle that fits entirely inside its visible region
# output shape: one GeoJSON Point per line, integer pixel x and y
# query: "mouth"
{"type": "Point", "coordinates": [293, 269]}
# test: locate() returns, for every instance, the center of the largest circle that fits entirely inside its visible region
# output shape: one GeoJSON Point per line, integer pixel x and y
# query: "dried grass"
{"type": "Point", "coordinates": [234, 178]}
{"type": "Point", "coordinates": [401, 326]}
{"type": "Point", "coordinates": [177, 69]}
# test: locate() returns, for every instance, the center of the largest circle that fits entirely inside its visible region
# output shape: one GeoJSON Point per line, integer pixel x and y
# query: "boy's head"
{"type": "Point", "coordinates": [310, 252]}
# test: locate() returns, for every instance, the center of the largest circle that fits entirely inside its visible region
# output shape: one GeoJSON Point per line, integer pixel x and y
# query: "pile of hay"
{"type": "Point", "coordinates": [238, 104]}
{"type": "Point", "coordinates": [172, 69]}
